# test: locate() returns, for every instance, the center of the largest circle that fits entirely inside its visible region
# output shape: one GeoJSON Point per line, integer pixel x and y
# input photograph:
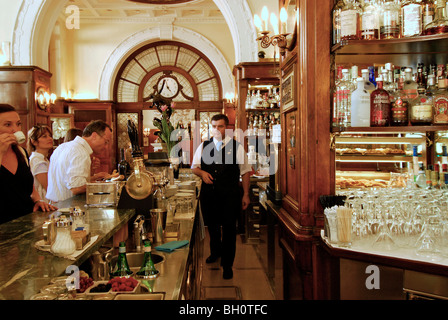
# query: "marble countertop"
{"type": "Point", "coordinates": [24, 269]}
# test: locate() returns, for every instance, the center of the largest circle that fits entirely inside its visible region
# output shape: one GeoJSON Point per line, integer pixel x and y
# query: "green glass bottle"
{"type": "Point", "coordinates": [148, 270]}
{"type": "Point", "coordinates": [122, 267]}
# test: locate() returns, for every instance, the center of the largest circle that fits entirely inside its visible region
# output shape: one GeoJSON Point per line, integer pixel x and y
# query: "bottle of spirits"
{"type": "Point", "coordinates": [372, 78]}
{"type": "Point", "coordinates": [147, 270]}
{"type": "Point", "coordinates": [421, 110]}
{"type": "Point", "coordinates": [421, 81]}
{"type": "Point", "coordinates": [369, 86]}
{"type": "Point", "coordinates": [360, 108]}
{"type": "Point", "coordinates": [440, 100]}
{"type": "Point", "coordinates": [431, 85]}
{"type": "Point", "coordinates": [390, 20]}
{"type": "Point", "coordinates": [411, 18]}
{"type": "Point", "coordinates": [409, 85]}
{"type": "Point", "coordinates": [379, 106]}
{"type": "Point", "coordinates": [122, 267]}
{"type": "Point", "coordinates": [399, 109]}
{"type": "Point", "coordinates": [344, 90]}
{"type": "Point", "coordinates": [123, 165]}
{"type": "Point", "coordinates": [336, 13]}
{"type": "Point", "coordinates": [440, 22]}
{"type": "Point", "coordinates": [248, 98]}
{"type": "Point", "coordinates": [428, 12]}
{"type": "Point", "coordinates": [370, 23]}
{"type": "Point", "coordinates": [350, 20]}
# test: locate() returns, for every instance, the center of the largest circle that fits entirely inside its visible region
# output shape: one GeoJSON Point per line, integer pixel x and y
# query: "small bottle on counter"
{"type": "Point", "coordinates": [122, 267]}
{"type": "Point", "coordinates": [148, 270]}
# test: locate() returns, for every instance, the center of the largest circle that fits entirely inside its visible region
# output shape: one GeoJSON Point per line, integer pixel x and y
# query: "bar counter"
{"type": "Point", "coordinates": [24, 269]}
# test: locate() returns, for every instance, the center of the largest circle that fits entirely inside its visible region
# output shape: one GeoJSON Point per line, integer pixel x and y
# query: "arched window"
{"type": "Point", "coordinates": [184, 74]}
{"type": "Point", "coordinates": [188, 76]}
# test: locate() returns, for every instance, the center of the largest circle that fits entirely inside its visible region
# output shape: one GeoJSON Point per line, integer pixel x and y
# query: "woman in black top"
{"type": "Point", "coordinates": [17, 194]}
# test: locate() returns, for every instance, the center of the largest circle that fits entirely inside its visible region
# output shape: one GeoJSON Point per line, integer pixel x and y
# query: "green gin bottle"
{"type": "Point", "coordinates": [147, 270]}
{"type": "Point", "coordinates": [122, 267]}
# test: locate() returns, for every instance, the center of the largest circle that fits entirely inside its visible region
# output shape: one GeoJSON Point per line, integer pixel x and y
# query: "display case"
{"type": "Point", "coordinates": [373, 153]}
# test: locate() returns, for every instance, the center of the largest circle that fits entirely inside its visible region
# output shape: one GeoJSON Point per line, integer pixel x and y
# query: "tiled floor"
{"type": "Point", "coordinates": [249, 278]}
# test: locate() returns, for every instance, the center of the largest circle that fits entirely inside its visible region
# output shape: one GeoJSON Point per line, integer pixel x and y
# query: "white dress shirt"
{"type": "Point", "coordinates": [39, 164]}
{"type": "Point", "coordinates": [69, 168]}
{"type": "Point", "coordinates": [241, 156]}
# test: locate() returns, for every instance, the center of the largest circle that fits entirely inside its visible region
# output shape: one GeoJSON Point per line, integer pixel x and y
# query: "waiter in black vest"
{"type": "Point", "coordinates": [220, 162]}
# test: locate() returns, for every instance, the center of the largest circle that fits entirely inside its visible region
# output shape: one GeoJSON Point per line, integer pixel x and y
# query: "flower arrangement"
{"type": "Point", "coordinates": [165, 127]}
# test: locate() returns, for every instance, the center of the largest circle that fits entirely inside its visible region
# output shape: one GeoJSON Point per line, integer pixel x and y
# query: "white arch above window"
{"type": "Point", "coordinates": [139, 39]}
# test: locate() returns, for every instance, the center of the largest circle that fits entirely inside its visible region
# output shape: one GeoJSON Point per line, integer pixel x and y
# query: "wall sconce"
{"type": "Point", "coordinates": [44, 99]}
{"type": "Point", "coordinates": [281, 38]}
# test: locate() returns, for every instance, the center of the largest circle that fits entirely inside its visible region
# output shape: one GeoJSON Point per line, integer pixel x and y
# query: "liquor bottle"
{"type": "Point", "coordinates": [123, 165]}
{"type": "Point", "coordinates": [354, 75]}
{"type": "Point", "coordinates": [440, 100]}
{"type": "Point", "coordinates": [147, 270]}
{"type": "Point", "coordinates": [421, 83]}
{"type": "Point", "coordinates": [431, 87]}
{"type": "Point", "coordinates": [122, 267]}
{"type": "Point", "coordinates": [411, 18]}
{"type": "Point", "coordinates": [390, 20]}
{"type": "Point", "coordinates": [336, 13]}
{"type": "Point", "coordinates": [428, 12]}
{"type": "Point", "coordinates": [428, 174]}
{"type": "Point", "coordinates": [379, 106]}
{"type": "Point", "coordinates": [372, 78]}
{"type": "Point", "coordinates": [440, 73]}
{"type": "Point", "coordinates": [409, 85]}
{"type": "Point", "coordinates": [421, 110]}
{"type": "Point", "coordinates": [399, 109]}
{"type": "Point", "coordinates": [350, 20]}
{"type": "Point", "coordinates": [369, 86]}
{"type": "Point", "coordinates": [343, 100]}
{"type": "Point", "coordinates": [370, 27]}
{"type": "Point", "coordinates": [440, 22]}
{"type": "Point", "coordinates": [248, 98]}
{"type": "Point", "coordinates": [360, 106]}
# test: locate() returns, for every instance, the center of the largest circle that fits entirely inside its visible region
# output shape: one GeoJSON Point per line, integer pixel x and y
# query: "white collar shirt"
{"type": "Point", "coordinates": [69, 168]}
{"type": "Point", "coordinates": [241, 156]}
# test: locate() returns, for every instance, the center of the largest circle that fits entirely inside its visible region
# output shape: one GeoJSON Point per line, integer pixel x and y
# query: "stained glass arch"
{"type": "Point", "coordinates": [138, 76]}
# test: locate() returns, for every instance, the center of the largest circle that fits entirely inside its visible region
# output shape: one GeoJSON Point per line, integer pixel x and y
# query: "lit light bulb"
{"type": "Point", "coordinates": [257, 22]}
{"type": "Point", "coordinates": [265, 17]}
{"type": "Point", "coordinates": [283, 19]}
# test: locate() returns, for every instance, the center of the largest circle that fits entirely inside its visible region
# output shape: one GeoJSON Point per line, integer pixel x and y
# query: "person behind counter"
{"type": "Point", "coordinates": [71, 134]}
{"type": "Point", "coordinates": [40, 142]}
{"type": "Point", "coordinates": [17, 193]}
{"type": "Point", "coordinates": [71, 162]}
{"type": "Point", "coordinates": [220, 197]}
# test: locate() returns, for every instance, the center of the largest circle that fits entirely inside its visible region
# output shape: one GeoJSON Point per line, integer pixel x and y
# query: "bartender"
{"type": "Point", "coordinates": [220, 162]}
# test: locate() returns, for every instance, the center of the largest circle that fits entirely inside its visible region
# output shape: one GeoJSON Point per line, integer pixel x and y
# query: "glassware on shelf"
{"type": "Point", "coordinates": [440, 22]}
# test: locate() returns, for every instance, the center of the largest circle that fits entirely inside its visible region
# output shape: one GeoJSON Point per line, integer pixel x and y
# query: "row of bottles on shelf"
{"type": "Point", "coordinates": [258, 100]}
{"type": "Point", "coordinates": [388, 19]}
{"type": "Point", "coordinates": [434, 176]}
{"type": "Point", "coordinates": [390, 96]}
{"type": "Point", "coordinates": [262, 123]}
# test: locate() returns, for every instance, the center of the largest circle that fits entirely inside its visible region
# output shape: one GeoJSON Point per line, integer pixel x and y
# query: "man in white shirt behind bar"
{"type": "Point", "coordinates": [70, 163]}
